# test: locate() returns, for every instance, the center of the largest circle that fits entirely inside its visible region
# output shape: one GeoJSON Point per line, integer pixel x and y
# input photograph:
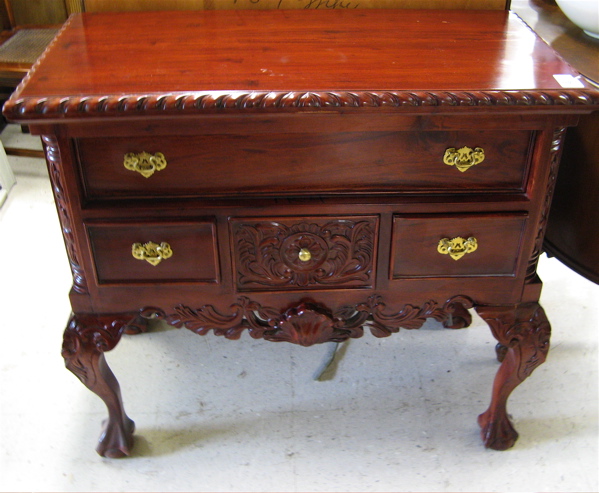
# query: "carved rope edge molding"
{"type": "Point", "coordinates": [64, 107]}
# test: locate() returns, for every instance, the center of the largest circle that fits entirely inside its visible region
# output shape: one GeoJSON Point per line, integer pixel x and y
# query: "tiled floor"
{"type": "Point", "coordinates": [218, 415]}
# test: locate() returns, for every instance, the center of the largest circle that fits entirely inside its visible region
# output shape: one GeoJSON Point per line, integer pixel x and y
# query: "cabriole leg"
{"type": "Point", "coordinates": [524, 330]}
{"type": "Point", "coordinates": [86, 338]}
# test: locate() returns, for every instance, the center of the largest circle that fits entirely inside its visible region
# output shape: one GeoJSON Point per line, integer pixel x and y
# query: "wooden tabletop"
{"type": "Point", "coordinates": [291, 54]}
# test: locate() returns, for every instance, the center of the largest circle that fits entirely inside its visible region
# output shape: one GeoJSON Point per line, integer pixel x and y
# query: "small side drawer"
{"type": "Point", "coordinates": [304, 253]}
{"type": "Point", "coordinates": [456, 245]}
{"type": "Point", "coordinates": [148, 252]}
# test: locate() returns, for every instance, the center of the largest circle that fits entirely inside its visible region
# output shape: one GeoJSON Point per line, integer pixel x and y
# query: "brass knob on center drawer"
{"type": "Point", "coordinates": [144, 163]}
{"type": "Point", "coordinates": [457, 247]}
{"type": "Point", "coordinates": [304, 255]}
{"type": "Point", "coordinates": [151, 252]}
{"type": "Point", "coordinates": [464, 157]}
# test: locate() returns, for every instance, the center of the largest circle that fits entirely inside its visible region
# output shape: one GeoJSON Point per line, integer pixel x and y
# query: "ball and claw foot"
{"type": "Point", "coordinates": [497, 434]}
{"type": "Point", "coordinates": [86, 339]}
{"type": "Point", "coordinates": [116, 440]}
{"type": "Point", "coordinates": [523, 333]}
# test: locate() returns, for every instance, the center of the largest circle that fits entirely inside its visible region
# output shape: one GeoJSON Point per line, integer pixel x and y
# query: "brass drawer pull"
{"type": "Point", "coordinates": [151, 252]}
{"type": "Point", "coordinates": [464, 158]}
{"type": "Point", "coordinates": [457, 247]}
{"type": "Point", "coordinates": [144, 162]}
{"type": "Point", "coordinates": [304, 255]}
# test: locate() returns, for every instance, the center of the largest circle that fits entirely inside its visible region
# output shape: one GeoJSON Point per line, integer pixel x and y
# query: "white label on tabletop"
{"type": "Point", "coordinates": [568, 81]}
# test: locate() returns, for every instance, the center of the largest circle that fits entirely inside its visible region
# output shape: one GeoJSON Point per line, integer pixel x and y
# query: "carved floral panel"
{"type": "Point", "coordinates": [312, 253]}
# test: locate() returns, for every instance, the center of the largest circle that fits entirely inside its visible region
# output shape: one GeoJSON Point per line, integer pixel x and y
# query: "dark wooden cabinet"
{"type": "Point", "coordinates": [573, 228]}
{"type": "Point", "coordinates": [303, 176]}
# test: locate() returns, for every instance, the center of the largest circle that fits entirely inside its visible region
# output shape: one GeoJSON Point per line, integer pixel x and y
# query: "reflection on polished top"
{"type": "Point", "coordinates": [269, 53]}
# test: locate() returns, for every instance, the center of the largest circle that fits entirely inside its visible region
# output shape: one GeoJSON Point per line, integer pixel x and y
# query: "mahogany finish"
{"type": "Point", "coordinates": [302, 175]}
{"type": "Point", "coordinates": [397, 160]}
{"type": "Point", "coordinates": [109, 240]}
{"type": "Point", "coordinates": [126, 5]}
{"type": "Point", "coordinates": [415, 239]}
{"type": "Point", "coordinates": [262, 54]}
{"type": "Point", "coordinates": [268, 254]}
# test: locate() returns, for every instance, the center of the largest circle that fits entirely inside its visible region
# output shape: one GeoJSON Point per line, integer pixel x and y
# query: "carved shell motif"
{"type": "Point", "coordinates": [315, 254]}
{"type": "Point", "coordinates": [310, 322]}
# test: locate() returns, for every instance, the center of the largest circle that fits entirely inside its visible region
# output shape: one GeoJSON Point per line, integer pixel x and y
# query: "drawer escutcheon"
{"type": "Point", "coordinates": [464, 157]}
{"type": "Point", "coordinates": [151, 252]}
{"type": "Point", "coordinates": [144, 163]}
{"type": "Point", "coordinates": [457, 247]}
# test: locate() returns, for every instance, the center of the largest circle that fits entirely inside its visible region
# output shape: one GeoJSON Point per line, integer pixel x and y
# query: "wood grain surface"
{"type": "Point", "coordinates": [276, 50]}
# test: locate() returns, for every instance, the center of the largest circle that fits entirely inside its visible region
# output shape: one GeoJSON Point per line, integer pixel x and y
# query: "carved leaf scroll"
{"type": "Point", "coordinates": [309, 323]}
{"type": "Point", "coordinates": [64, 207]}
{"type": "Point", "coordinates": [557, 142]}
{"type": "Point", "coordinates": [269, 253]}
{"type": "Point", "coordinates": [87, 335]}
{"type": "Point", "coordinates": [525, 329]}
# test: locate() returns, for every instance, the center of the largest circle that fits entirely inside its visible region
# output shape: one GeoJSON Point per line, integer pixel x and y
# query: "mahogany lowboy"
{"type": "Point", "coordinates": [303, 176]}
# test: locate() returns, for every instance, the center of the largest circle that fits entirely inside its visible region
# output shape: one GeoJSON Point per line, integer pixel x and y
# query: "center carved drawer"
{"type": "Point", "coordinates": [304, 253]}
{"type": "Point", "coordinates": [305, 163]}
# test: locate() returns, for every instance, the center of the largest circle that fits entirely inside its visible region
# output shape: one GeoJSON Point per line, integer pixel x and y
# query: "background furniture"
{"type": "Point", "coordinates": [254, 170]}
{"type": "Point", "coordinates": [27, 27]}
{"type": "Point", "coordinates": [573, 228]}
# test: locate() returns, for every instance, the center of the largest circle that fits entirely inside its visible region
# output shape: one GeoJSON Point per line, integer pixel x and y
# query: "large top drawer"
{"type": "Point", "coordinates": [305, 163]}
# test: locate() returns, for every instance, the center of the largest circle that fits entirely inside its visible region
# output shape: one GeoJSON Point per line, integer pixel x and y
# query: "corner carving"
{"type": "Point", "coordinates": [62, 204]}
{"type": "Point", "coordinates": [525, 330]}
{"type": "Point", "coordinates": [556, 152]}
{"type": "Point", "coordinates": [90, 333]}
